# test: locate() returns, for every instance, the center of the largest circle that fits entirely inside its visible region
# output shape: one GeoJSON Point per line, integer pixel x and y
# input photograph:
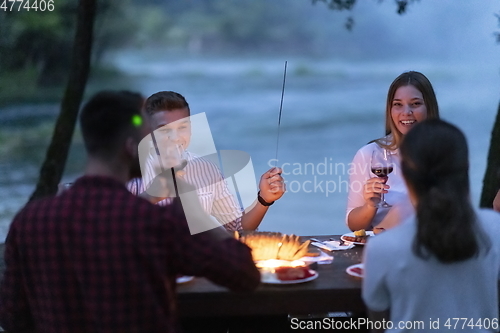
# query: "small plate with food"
{"type": "Point", "coordinates": [359, 237]}
{"type": "Point", "coordinates": [357, 270]}
{"type": "Point", "coordinates": [287, 275]}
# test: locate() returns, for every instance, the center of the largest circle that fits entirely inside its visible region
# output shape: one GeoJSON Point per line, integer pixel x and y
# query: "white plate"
{"type": "Point", "coordinates": [350, 271]}
{"type": "Point", "coordinates": [351, 234]}
{"type": "Point", "coordinates": [184, 279]}
{"type": "Point", "coordinates": [276, 281]}
{"type": "Point", "coordinates": [333, 245]}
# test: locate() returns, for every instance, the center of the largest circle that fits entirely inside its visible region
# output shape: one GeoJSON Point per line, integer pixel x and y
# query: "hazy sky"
{"type": "Point", "coordinates": [448, 30]}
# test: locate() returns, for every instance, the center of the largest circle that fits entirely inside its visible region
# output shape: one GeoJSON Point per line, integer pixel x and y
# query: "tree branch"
{"type": "Point", "coordinates": [57, 153]}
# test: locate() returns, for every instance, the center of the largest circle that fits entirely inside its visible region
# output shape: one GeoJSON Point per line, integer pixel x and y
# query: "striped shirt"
{"type": "Point", "coordinates": [212, 190]}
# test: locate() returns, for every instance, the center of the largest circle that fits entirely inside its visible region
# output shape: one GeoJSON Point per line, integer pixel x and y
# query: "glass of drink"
{"type": "Point", "coordinates": [382, 166]}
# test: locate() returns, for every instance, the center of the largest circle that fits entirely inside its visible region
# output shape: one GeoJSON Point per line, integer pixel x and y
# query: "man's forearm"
{"type": "Point", "coordinates": [252, 219]}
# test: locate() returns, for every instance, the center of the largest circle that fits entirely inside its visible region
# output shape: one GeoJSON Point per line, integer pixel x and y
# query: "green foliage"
{"type": "Point", "coordinates": [43, 43]}
{"type": "Point", "coordinates": [349, 4]}
{"type": "Point", "coordinates": [21, 85]}
{"type": "Point", "coordinates": [16, 142]}
{"type": "Point", "coordinates": [232, 25]}
{"type": "Point", "coordinates": [11, 80]}
{"type": "Point", "coordinates": [152, 25]}
{"type": "Point", "coordinates": [115, 26]}
{"type": "Point", "coordinates": [223, 25]}
{"type": "Point", "coordinates": [338, 4]}
{"type": "Point", "coordinates": [38, 41]}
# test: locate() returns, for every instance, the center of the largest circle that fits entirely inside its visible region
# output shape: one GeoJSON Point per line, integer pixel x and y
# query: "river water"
{"type": "Point", "coordinates": [331, 108]}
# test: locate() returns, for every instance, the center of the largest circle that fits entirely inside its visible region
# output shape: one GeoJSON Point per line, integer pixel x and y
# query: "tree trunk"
{"type": "Point", "coordinates": [491, 181]}
{"type": "Point", "coordinates": [57, 153]}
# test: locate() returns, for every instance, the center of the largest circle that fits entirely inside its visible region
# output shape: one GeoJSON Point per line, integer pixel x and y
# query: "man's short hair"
{"type": "Point", "coordinates": [165, 101]}
{"type": "Point", "coordinates": [107, 118]}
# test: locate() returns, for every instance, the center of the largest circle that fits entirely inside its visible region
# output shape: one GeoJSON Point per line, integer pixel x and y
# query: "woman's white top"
{"type": "Point", "coordinates": [360, 172]}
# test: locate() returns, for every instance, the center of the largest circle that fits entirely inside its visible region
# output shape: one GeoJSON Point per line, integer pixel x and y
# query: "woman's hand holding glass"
{"type": "Point", "coordinates": [381, 166]}
{"type": "Point", "coordinates": [373, 189]}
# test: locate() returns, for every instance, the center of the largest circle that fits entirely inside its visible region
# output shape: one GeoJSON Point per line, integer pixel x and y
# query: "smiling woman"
{"type": "Point", "coordinates": [410, 99]}
{"type": "Point", "coordinates": [411, 92]}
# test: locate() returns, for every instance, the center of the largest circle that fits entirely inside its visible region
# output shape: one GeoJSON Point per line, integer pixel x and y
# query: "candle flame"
{"type": "Point", "coordinates": [274, 263]}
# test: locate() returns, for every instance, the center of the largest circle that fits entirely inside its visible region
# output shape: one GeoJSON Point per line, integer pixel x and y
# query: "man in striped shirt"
{"type": "Point", "coordinates": [168, 112]}
{"type": "Point", "coordinates": [97, 258]}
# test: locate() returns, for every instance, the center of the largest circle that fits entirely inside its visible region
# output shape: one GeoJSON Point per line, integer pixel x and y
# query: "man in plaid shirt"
{"type": "Point", "coordinates": [99, 259]}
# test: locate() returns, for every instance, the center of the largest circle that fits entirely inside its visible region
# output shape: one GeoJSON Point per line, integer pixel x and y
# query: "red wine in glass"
{"type": "Point", "coordinates": [381, 166]}
{"type": "Point", "coordinates": [382, 171]}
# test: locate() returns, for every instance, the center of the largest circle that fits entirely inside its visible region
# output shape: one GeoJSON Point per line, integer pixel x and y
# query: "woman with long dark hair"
{"type": "Point", "coordinates": [445, 262]}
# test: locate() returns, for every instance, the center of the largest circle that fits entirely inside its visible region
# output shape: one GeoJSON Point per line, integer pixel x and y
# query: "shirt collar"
{"type": "Point", "coordinates": [101, 181]}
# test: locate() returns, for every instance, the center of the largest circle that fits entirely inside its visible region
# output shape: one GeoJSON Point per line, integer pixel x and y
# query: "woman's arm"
{"type": "Point", "coordinates": [364, 191]}
{"type": "Point", "coordinates": [361, 217]}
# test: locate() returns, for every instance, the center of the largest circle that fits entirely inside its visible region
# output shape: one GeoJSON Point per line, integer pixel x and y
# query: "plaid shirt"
{"type": "Point", "coordinates": [99, 259]}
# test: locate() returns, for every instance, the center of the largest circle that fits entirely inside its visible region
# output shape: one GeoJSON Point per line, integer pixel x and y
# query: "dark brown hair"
{"type": "Point", "coordinates": [165, 101]}
{"type": "Point", "coordinates": [435, 165]}
{"type": "Point", "coordinates": [107, 118]}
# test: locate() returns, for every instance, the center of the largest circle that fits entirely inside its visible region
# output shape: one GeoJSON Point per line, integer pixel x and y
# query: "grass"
{"type": "Point", "coordinates": [20, 86]}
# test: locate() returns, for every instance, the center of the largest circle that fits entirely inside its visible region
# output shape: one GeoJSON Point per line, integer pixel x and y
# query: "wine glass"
{"type": "Point", "coordinates": [172, 155]}
{"type": "Point", "coordinates": [382, 166]}
{"type": "Point", "coordinates": [181, 157]}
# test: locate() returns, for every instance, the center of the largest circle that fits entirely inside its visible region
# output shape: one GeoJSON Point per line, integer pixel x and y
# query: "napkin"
{"type": "Point", "coordinates": [333, 245]}
{"type": "Point", "coordinates": [323, 258]}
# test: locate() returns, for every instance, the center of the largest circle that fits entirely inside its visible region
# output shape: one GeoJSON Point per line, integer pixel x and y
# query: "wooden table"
{"type": "Point", "coordinates": [333, 291]}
